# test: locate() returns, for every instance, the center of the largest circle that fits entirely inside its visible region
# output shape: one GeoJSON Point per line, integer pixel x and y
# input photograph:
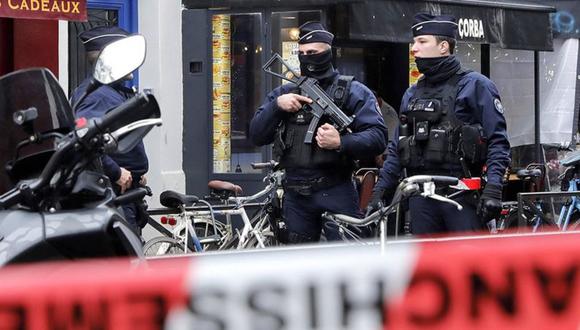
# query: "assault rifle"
{"type": "Point", "coordinates": [321, 104]}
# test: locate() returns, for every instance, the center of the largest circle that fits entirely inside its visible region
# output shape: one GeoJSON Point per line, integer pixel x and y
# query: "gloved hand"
{"type": "Point", "coordinates": [489, 206]}
{"type": "Point", "coordinates": [376, 201]}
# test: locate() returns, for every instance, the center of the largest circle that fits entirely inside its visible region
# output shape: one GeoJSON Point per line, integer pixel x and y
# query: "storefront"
{"type": "Point", "coordinates": [27, 39]}
{"type": "Point", "coordinates": [226, 42]}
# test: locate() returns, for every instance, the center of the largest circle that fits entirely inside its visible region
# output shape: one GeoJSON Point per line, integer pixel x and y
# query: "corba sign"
{"type": "Point", "coordinates": [470, 28]}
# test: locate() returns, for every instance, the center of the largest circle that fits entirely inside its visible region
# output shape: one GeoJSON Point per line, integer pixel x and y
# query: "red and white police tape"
{"type": "Point", "coordinates": [528, 282]}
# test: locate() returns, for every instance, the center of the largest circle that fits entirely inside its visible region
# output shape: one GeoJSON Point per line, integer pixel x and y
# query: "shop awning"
{"type": "Point", "coordinates": [515, 24]}
{"type": "Point", "coordinates": [508, 24]}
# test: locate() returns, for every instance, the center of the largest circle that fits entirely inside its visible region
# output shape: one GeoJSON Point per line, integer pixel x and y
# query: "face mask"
{"type": "Point", "coordinates": [317, 66]}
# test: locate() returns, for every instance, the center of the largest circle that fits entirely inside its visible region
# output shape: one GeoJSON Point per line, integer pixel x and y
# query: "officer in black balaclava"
{"type": "Point", "coordinates": [318, 175]}
{"type": "Point", "coordinates": [455, 123]}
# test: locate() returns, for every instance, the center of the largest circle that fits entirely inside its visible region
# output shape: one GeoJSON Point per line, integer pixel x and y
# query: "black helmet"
{"type": "Point", "coordinates": [33, 111]}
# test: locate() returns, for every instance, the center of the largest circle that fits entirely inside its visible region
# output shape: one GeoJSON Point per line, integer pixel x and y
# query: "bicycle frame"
{"type": "Point", "coordinates": [543, 195]}
{"type": "Point", "coordinates": [568, 209]}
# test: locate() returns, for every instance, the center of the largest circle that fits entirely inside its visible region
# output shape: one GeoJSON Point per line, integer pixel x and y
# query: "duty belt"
{"type": "Point", "coordinates": [308, 186]}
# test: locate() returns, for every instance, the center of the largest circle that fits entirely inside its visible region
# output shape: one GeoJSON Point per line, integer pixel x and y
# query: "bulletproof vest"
{"type": "Point", "coordinates": [438, 142]}
{"type": "Point", "coordinates": [289, 147]}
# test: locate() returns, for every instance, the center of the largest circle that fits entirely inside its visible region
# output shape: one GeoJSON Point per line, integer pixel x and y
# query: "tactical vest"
{"type": "Point", "coordinates": [438, 142]}
{"type": "Point", "coordinates": [289, 147]}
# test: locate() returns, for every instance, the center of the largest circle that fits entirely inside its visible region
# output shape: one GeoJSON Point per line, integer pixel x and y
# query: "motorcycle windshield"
{"type": "Point", "coordinates": [22, 90]}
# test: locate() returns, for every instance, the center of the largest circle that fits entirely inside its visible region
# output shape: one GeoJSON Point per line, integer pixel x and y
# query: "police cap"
{"type": "Point", "coordinates": [427, 24]}
{"type": "Point", "coordinates": [314, 31]}
{"type": "Point", "coordinates": [98, 37]}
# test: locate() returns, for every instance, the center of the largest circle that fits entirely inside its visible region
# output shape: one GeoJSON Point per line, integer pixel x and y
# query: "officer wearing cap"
{"type": "Point", "coordinates": [318, 175]}
{"type": "Point", "coordinates": [452, 123]}
{"type": "Point", "coordinates": [126, 170]}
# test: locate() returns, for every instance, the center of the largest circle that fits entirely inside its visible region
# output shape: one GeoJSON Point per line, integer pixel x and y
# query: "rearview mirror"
{"type": "Point", "coordinates": [119, 58]}
{"type": "Point", "coordinates": [116, 61]}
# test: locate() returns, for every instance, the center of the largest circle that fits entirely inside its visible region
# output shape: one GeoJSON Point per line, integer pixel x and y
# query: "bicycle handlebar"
{"type": "Point", "coordinates": [407, 187]}
{"type": "Point", "coordinates": [269, 165]}
{"type": "Point", "coordinates": [359, 221]}
{"type": "Point", "coordinates": [437, 179]}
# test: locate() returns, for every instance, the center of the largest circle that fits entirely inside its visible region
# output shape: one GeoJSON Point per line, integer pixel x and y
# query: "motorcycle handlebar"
{"type": "Point", "coordinates": [117, 116]}
{"type": "Point", "coordinates": [133, 195]}
{"type": "Point", "coordinates": [11, 197]}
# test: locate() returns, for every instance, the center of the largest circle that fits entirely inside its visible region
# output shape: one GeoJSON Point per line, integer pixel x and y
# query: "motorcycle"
{"type": "Point", "coordinates": [60, 206]}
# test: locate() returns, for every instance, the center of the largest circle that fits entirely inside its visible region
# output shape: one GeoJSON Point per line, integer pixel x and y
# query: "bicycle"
{"type": "Point", "coordinates": [570, 212]}
{"type": "Point", "coordinates": [257, 231]}
{"type": "Point", "coordinates": [532, 212]}
{"type": "Point", "coordinates": [423, 185]}
{"type": "Point", "coordinates": [183, 238]}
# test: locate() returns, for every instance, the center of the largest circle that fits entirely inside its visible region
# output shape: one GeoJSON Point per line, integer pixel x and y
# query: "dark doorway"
{"type": "Point", "coordinates": [381, 66]}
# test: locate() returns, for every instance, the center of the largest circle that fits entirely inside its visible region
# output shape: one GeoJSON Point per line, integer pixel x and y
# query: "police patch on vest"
{"type": "Point", "coordinates": [498, 105]}
{"type": "Point", "coordinates": [300, 119]}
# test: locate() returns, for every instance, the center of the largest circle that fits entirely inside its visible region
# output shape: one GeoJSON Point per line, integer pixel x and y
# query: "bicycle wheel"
{"type": "Point", "coordinates": [159, 246]}
{"type": "Point", "coordinates": [511, 221]}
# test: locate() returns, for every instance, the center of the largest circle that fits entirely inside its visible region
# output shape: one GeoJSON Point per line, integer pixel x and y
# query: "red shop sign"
{"type": "Point", "coordinates": [70, 10]}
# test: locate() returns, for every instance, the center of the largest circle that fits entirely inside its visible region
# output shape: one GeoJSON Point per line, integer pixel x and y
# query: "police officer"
{"type": "Point", "coordinates": [454, 125]}
{"type": "Point", "coordinates": [126, 170]}
{"type": "Point", "coordinates": [318, 175]}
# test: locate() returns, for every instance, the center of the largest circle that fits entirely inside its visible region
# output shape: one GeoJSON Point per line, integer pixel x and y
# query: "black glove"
{"type": "Point", "coordinates": [489, 206]}
{"type": "Point", "coordinates": [376, 201]}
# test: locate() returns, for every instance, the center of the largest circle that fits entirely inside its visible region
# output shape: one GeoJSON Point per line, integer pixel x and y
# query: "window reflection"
{"type": "Point", "coordinates": [469, 55]}
{"type": "Point", "coordinates": [513, 73]}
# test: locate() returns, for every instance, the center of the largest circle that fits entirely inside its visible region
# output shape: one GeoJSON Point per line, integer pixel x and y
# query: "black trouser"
{"type": "Point", "coordinates": [429, 216]}
{"type": "Point", "coordinates": [302, 213]}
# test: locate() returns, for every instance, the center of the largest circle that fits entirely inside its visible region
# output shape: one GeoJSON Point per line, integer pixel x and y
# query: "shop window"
{"type": "Point", "coordinates": [236, 89]}
{"type": "Point", "coordinates": [469, 55]}
{"type": "Point", "coordinates": [558, 77]}
{"type": "Point", "coordinates": [557, 103]}
{"type": "Point", "coordinates": [513, 73]}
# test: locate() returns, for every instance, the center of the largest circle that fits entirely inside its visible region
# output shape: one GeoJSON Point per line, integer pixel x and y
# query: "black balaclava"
{"type": "Point", "coordinates": [436, 69]}
{"type": "Point", "coordinates": [317, 66]}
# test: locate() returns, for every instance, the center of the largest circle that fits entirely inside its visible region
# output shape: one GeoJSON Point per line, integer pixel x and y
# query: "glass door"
{"type": "Point", "coordinates": [236, 90]}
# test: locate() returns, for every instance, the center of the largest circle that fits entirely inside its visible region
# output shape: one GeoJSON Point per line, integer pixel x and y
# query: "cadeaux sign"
{"type": "Point", "coordinates": [70, 10]}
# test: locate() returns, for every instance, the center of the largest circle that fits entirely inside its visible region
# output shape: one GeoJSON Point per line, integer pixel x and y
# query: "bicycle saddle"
{"type": "Point", "coordinates": [571, 159]}
{"type": "Point", "coordinates": [174, 200]}
{"type": "Point", "coordinates": [223, 186]}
